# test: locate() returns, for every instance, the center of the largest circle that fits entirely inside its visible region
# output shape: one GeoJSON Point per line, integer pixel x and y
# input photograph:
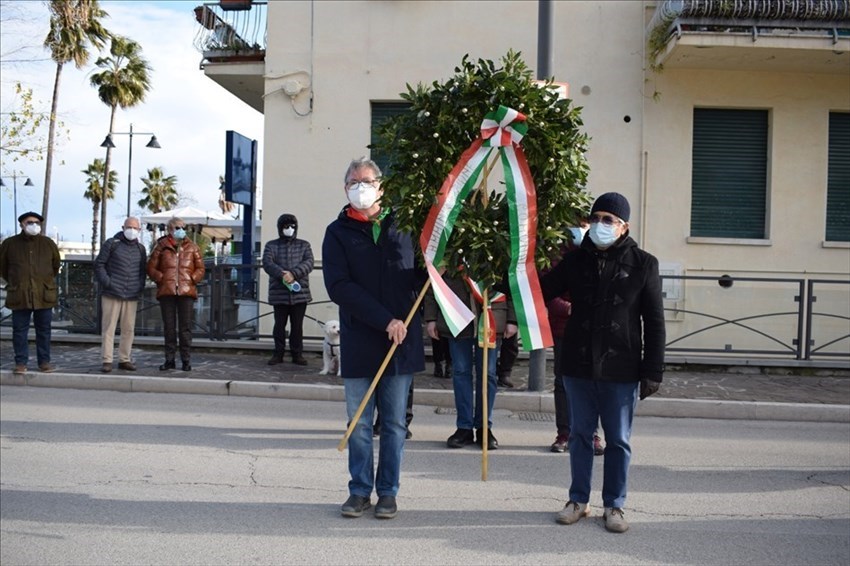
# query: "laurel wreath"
{"type": "Point", "coordinates": [423, 144]}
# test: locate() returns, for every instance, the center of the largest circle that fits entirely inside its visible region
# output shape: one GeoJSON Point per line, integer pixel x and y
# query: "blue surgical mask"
{"type": "Point", "coordinates": [603, 235]}
{"type": "Point", "coordinates": [179, 233]}
{"type": "Point", "coordinates": [578, 235]}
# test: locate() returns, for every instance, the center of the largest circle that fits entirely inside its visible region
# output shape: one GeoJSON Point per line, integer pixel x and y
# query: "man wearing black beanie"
{"type": "Point", "coordinates": [613, 350]}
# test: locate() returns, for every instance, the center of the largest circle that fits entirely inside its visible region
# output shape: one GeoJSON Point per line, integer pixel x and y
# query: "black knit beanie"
{"type": "Point", "coordinates": [615, 203]}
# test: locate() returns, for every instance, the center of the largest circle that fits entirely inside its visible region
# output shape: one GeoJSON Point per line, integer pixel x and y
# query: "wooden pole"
{"type": "Point", "coordinates": [377, 378]}
{"type": "Point", "coordinates": [485, 437]}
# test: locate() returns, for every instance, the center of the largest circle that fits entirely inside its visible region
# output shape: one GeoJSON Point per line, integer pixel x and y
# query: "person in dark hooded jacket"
{"type": "Point", "coordinates": [288, 262]}
{"type": "Point", "coordinates": [612, 352]}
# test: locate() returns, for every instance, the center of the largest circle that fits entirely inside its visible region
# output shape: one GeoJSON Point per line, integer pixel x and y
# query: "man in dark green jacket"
{"type": "Point", "coordinates": [29, 263]}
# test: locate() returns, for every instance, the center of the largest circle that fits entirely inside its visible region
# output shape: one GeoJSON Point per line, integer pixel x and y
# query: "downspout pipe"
{"type": "Point", "coordinates": [545, 62]}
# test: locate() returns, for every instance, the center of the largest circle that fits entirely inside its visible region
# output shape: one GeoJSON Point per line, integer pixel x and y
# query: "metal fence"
{"type": "Point", "coordinates": [714, 317]}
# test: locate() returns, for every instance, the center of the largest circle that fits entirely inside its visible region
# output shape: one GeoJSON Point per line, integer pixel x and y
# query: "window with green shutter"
{"type": "Point", "coordinates": [838, 179]}
{"type": "Point", "coordinates": [380, 112]}
{"type": "Point", "coordinates": [729, 178]}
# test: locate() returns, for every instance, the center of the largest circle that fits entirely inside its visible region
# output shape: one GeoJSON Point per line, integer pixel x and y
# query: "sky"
{"type": "Point", "coordinates": [188, 112]}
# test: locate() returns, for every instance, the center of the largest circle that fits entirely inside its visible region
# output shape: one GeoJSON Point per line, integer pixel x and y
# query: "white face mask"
{"type": "Point", "coordinates": [33, 229]}
{"type": "Point", "coordinates": [603, 235]}
{"type": "Point", "coordinates": [578, 235]}
{"type": "Point", "coordinates": [131, 233]}
{"type": "Point", "coordinates": [289, 232]}
{"type": "Point", "coordinates": [362, 196]}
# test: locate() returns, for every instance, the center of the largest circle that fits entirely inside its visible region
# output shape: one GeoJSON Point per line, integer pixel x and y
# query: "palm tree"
{"type": "Point", "coordinates": [160, 192]}
{"type": "Point", "coordinates": [74, 25]}
{"type": "Point", "coordinates": [94, 192]}
{"type": "Point", "coordinates": [124, 82]}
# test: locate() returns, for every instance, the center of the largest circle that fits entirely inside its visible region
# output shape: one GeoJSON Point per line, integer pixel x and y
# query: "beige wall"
{"type": "Point", "coordinates": [798, 107]}
{"type": "Point", "coordinates": [357, 52]}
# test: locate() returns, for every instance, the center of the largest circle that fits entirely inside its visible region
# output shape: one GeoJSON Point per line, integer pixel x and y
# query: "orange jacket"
{"type": "Point", "coordinates": [176, 268]}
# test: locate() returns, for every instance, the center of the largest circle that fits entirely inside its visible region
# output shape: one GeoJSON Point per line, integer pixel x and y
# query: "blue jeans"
{"type": "Point", "coordinates": [469, 409]}
{"type": "Point", "coordinates": [613, 403]}
{"type": "Point", "coordinates": [391, 394]}
{"type": "Point", "coordinates": [20, 328]}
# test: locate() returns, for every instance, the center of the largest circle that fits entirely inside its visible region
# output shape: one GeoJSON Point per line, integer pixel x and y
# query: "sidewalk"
{"type": "Point", "coordinates": [728, 392]}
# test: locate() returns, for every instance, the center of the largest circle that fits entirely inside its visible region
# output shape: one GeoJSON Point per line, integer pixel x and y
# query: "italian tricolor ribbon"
{"type": "Point", "coordinates": [502, 130]}
{"type": "Point", "coordinates": [486, 310]}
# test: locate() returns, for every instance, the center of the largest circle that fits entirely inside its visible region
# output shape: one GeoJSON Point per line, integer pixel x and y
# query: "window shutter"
{"type": "Point", "coordinates": [729, 178]}
{"type": "Point", "coordinates": [382, 111]}
{"type": "Point", "coordinates": [838, 179]}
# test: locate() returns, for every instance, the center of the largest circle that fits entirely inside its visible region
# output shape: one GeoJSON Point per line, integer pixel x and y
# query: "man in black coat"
{"type": "Point", "coordinates": [120, 271]}
{"type": "Point", "coordinates": [613, 350]}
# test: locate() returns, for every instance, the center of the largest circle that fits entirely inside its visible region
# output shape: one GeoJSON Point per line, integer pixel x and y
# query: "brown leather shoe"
{"type": "Point", "coordinates": [129, 366]}
{"type": "Point", "coordinates": [106, 368]}
{"type": "Point", "coordinates": [46, 367]}
{"type": "Point", "coordinates": [20, 369]}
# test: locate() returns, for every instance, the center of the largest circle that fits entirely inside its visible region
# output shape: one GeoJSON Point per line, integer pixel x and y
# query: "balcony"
{"type": "Point", "coordinates": [799, 36]}
{"type": "Point", "coordinates": [232, 38]}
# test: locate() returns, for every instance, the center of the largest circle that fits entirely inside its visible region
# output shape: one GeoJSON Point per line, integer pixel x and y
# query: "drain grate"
{"type": "Point", "coordinates": [445, 411]}
{"type": "Point", "coordinates": [536, 417]}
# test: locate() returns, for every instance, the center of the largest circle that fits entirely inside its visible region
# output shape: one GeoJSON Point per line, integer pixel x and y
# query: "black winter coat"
{"type": "Point", "coordinates": [295, 256]}
{"type": "Point", "coordinates": [120, 268]}
{"type": "Point", "coordinates": [616, 330]}
{"type": "Point", "coordinates": [373, 283]}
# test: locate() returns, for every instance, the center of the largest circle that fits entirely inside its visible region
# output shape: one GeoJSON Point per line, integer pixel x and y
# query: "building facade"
{"type": "Point", "coordinates": [726, 124]}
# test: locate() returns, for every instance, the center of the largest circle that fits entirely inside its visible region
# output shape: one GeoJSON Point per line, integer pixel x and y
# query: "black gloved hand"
{"type": "Point", "coordinates": [648, 387]}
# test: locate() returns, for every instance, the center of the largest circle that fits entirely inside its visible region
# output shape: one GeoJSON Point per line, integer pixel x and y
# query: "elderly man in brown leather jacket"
{"type": "Point", "coordinates": [176, 266]}
{"type": "Point", "coordinates": [29, 263]}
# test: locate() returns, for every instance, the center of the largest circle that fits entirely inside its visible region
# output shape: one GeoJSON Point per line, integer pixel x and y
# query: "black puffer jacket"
{"type": "Point", "coordinates": [288, 254]}
{"type": "Point", "coordinates": [120, 267]}
{"type": "Point", "coordinates": [616, 330]}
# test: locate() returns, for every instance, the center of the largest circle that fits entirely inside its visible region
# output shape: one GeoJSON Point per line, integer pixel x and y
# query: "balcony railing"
{"type": "Point", "coordinates": [231, 31]}
{"type": "Point", "coordinates": [752, 18]}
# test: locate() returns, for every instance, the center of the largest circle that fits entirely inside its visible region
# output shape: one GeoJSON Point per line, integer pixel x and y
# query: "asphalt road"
{"type": "Point", "coordinates": [102, 477]}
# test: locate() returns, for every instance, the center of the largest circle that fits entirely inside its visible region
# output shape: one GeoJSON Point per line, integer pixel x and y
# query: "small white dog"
{"type": "Point", "coordinates": [330, 349]}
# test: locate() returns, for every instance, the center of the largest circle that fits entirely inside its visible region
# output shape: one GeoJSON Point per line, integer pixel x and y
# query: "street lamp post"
{"type": "Point", "coordinates": [108, 143]}
{"type": "Point", "coordinates": [14, 177]}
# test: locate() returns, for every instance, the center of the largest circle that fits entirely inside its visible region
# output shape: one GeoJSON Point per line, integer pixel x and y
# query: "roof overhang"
{"type": "Point", "coordinates": [242, 79]}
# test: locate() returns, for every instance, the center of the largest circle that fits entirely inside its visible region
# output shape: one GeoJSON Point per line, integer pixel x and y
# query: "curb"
{"type": "Point", "coordinates": [519, 401]}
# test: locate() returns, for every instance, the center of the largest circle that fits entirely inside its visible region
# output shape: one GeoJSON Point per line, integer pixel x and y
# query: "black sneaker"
{"type": "Point", "coordinates": [492, 443]}
{"type": "Point", "coordinates": [408, 435]}
{"type": "Point", "coordinates": [355, 505]}
{"type": "Point", "coordinates": [505, 383]}
{"type": "Point", "coordinates": [386, 507]}
{"type": "Point", "coordinates": [438, 370]}
{"type": "Point", "coordinates": [460, 438]}
{"type": "Point", "coordinates": [276, 359]}
{"type": "Point", "coordinates": [299, 360]}
{"type": "Point", "coordinates": [169, 364]}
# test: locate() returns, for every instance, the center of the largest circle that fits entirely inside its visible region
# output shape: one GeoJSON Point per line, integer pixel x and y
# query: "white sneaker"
{"type": "Point", "coordinates": [615, 520]}
{"type": "Point", "coordinates": [572, 512]}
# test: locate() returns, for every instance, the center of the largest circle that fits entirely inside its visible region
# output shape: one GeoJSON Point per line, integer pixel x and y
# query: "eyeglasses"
{"type": "Point", "coordinates": [606, 219]}
{"type": "Point", "coordinates": [353, 182]}
{"type": "Point", "coordinates": [288, 226]}
{"type": "Point", "coordinates": [33, 223]}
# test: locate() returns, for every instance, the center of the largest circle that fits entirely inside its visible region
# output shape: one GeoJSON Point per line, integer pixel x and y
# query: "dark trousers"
{"type": "Point", "coordinates": [440, 352]}
{"type": "Point", "coordinates": [20, 329]}
{"type": "Point", "coordinates": [562, 404]}
{"type": "Point", "coordinates": [295, 315]}
{"type": "Point", "coordinates": [177, 315]}
{"type": "Point", "coordinates": [508, 353]}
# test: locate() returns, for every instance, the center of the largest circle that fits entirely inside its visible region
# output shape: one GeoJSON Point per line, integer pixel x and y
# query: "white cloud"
{"type": "Point", "coordinates": [188, 112]}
